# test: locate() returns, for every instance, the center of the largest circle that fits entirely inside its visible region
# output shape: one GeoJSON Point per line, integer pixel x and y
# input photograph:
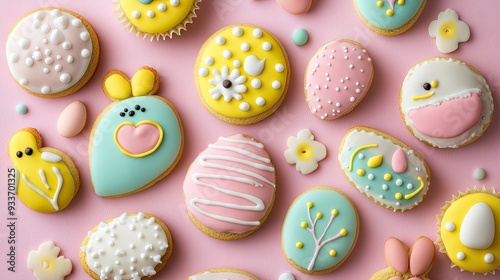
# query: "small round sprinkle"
{"type": "Point", "coordinates": [479, 174]}
{"type": "Point", "coordinates": [279, 68]}
{"type": "Point", "coordinates": [65, 78]}
{"type": "Point", "coordinates": [85, 53]}
{"type": "Point", "coordinates": [300, 37]}
{"type": "Point", "coordinates": [245, 47]}
{"type": "Point", "coordinates": [385, 187]}
{"type": "Point", "coordinates": [237, 31]}
{"type": "Point", "coordinates": [460, 256]}
{"type": "Point", "coordinates": [174, 3]}
{"type": "Point", "coordinates": [209, 60]}
{"type": "Point", "coordinates": [150, 13]}
{"type": "Point", "coordinates": [162, 7]}
{"type": "Point", "coordinates": [244, 106]}
{"type": "Point", "coordinates": [260, 101]}
{"type": "Point", "coordinates": [257, 33]}
{"type": "Point", "coordinates": [489, 258]}
{"type": "Point", "coordinates": [21, 109]}
{"type": "Point", "coordinates": [276, 84]}
{"type": "Point", "coordinates": [256, 83]}
{"type": "Point", "coordinates": [449, 226]}
{"type": "Point", "coordinates": [203, 72]}
{"type": "Point", "coordinates": [237, 63]}
{"type": "Point", "coordinates": [220, 40]}
{"type": "Point", "coordinates": [227, 54]}
{"type": "Point", "coordinates": [267, 46]}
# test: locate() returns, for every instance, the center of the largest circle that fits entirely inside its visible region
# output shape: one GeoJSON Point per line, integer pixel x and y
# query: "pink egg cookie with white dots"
{"type": "Point", "coordinates": [337, 78]}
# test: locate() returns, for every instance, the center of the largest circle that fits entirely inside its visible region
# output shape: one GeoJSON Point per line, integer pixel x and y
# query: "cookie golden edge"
{"type": "Point", "coordinates": [439, 241]}
{"type": "Point", "coordinates": [228, 236]}
{"type": "Point", "coordinates": [240, 121]}
{"type": "Point", "coordinates": [328, 270]}
{"type": "Point", "coordinates": [221, 270]}
{"type": "Point", "coordinates": [397, 142]}
{"type": "Point", "coordinates": [158, 267]}
{"type": "Point", "coordinates": [476, 137]}
{"type": "Point", "coordinates": [392, 32]}
{"type": "Point", "coordinates": [176, 30]}
{"type": "Point", "coordinates": [94, 58]}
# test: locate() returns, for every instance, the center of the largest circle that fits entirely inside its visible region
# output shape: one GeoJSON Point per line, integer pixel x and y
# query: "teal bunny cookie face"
{"type": "Point", "coordinates": [135, 142]}
{"type": "Point", "coordinates": [388, 14]}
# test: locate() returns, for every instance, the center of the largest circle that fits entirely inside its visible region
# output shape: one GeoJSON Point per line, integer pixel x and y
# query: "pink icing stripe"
{"type": "Point", "coordinates": [448, 119]}
{"type": "Point", "coordinates": [138, 140]}
{"type": "Point", "coordinates": [396, 255]}
{"type": "Point", "coordinates": [230, 185]}
{"type": "Point", "coordinates": [399, 162]}
{"type": "Point", "coordinates": [337, 78]}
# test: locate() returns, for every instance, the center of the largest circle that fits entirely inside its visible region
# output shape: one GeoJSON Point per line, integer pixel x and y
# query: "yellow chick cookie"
{"type": "Point", "coordinates": [156, 18]}
{"type": "Point", "coordinates": [46, 178]}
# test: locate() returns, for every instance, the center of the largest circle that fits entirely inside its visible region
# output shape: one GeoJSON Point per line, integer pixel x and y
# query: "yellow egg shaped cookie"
{"type": "Point", "coordinates": [156, 18]}
{"type": "Point", "coordinates": [469, 231]}
{"type": "Point", "coordinates": [46, 179]}
{"type": "Point", "coordinates": [242, 74]}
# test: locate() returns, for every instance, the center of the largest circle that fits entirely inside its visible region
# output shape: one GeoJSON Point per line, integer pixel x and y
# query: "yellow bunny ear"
{"type": "Point", "coordinates": [116, 85]}
{"type": "Point", "coordinates": [145, 82]}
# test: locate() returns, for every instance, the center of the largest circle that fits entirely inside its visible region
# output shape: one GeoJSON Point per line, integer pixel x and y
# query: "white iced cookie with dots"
{"type": "Point", "coordinates": [59, 56]}
{"type": "Point", "coordinates": [131, 246]}
{"type": "Point", "coordinates": [337, 78]}
{"type": "Point", "coordinates": [247, 77]}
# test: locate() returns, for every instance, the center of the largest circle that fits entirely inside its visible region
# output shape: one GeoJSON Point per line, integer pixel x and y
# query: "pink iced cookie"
{"type": "Point", "coordinates": [52, 52]}
{"type": "Point", "coordinates": [337, 78]}
{"type": "Point", "coordinates": [295, 7]}
{"type": "Point", "coordinates": [229, 188]}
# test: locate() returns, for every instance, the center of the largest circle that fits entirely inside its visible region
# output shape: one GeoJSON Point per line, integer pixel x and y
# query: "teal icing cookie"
{"type": "Point", "coordinates": [320, 230]}
{"type": "Point", "coordinates": [389, 17]}
{"type": "Point", "coordinates": [137, 140]}
{"type": "Point", "coordinates": [383, 168]}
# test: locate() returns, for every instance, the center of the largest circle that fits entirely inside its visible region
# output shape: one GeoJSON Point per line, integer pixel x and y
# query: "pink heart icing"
{"type": "Point", "coordinates": [448, 119]}
{"type": "Point", "coordinates": [138, 139]}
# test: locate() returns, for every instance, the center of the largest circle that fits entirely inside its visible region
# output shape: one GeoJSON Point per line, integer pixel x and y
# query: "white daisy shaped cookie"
{"type": "Point", "coordinates": [304, 152]}
{"type": "Point", "coordinates": [449, 31]}
{"type": "Point", "coordinates": [45, 263]}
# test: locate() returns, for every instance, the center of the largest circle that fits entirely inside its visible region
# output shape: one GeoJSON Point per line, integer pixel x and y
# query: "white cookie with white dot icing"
{"type": "Point", "coordinates": [52, 52]}
{"type": "Point", "coordinates": [242, 74]}
{"type": "Point", "coordinates": [132, 246]}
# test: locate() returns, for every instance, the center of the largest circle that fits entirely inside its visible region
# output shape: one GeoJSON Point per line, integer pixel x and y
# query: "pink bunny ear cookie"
{"type": "Point", "coordinates": [337, 78]}
{"type": "Point", "coordinates": [414, 264]}
{"type": "Point", "coordinates": [52, 52]}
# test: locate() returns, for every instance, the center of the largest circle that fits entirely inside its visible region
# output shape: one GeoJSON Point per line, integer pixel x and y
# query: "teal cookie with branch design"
{"type": "Point", "coordinates": [320, 230]}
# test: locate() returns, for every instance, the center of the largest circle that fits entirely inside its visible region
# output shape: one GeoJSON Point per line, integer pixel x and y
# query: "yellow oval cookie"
{"type": "Point", "coordinates": [242, 74]}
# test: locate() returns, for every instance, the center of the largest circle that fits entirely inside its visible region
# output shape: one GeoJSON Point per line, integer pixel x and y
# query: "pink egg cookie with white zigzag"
{"type": "Point", "coordinates": [337, 78]}
{"type": "Point", "coordinates": [230, 187]}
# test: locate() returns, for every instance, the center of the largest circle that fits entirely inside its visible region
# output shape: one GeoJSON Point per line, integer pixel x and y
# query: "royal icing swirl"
{"type": "Point", "coordinates": [445, 103]}
{"type": "Point", "coordinates": [50, 51]}
{"type": "Point", "coordinates": [230, 186]}
{"type": "Point", "coordinates": [127, 247]}
{"type": "Point", "coordinates": [337, 77]}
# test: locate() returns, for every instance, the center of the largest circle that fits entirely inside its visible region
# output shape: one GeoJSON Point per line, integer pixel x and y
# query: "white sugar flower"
{"type": "Point", "coordinates": [46, 265]}
{"type": "Point", "coordinates": [449, 31]}
{"type": "Point", "coordinates": [227, 85]}
{"type": "Point", "coordinates": [304, 152]}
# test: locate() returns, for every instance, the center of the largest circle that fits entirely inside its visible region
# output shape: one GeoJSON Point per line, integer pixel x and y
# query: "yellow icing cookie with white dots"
{"type": "Point", "coordinates": [242, 74]}
{"type": "Point", "coordinates": [469, 230]}
{"type": "Point", "coordinates": [156, 18]}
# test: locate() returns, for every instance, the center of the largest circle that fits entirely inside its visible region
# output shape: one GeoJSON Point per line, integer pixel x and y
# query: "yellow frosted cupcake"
{"type": "Point", "coordinates": [156, 19]}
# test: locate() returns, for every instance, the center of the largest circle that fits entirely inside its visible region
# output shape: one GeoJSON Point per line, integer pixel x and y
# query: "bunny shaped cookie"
{"type": "Point", "coordinates": [137, 140]}
{"type": "Point", "coordinates": [414, 264]}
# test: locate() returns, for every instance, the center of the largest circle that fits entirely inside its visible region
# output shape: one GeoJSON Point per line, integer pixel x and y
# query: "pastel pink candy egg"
{"type": "Point", "coordinates": [337, 78]}
{"type": "Point", "coordinates": [72, 119]}
{"type": "Point", "coordinates": [295, 7]}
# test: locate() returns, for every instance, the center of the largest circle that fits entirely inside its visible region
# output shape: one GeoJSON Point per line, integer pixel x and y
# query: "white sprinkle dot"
{"type": "Point", "coordinates": [37, 55]}
{"type": "Point", "coordinates": [257, 33]}
{"type": "Point", "coordinates": [47, 52]}
{"type": "Point", "coordinates": [256, 83]}
{"type": "Point", "coordinates": [351, 66]}
{"type": "Point", "coordinates": [371, 176]}
{"type": "Point", "coordinates": [150, 13]}
{"type": "Point", "coordinates": [136, 14]}
{"type": "Point", "coordinates": [329, 102]}
{"type": "Point", "coordinates": [23, 82]}
{"type": "Point", "coordinates": [84, 36]}
{"type": "Point", "coordinates": [337, 104]}
{"type": "Point", "coordinates": [358, 90]}
{"type": "Point", "coordinates": [399, 182]}
{"type": "Point", "coordinates": [237, 63]}
{"type": "Point", "coordinates": [69, 59]}
{"type": "Point", "coordinates": [203, 72]}
{"type": "Point", "coordinates": [162, 7]}
{"type": "Point", "coordinates": [46, 70]}
{"type": "Point", "coordinates": [245, 47]}
{"type": "Point", "coordinates": [174, 3]}
{"type": "Point", "coordinates": [409, 186]}
{"type": "Point", "coordinates": [276, 84]}
{"type": "Point", "coordinates": [337, 89]}
{"type": "Point", "coordinates": [66, 45]}
{"type": "Point", "coordinates": [45, 90]}
{"type": "Point", "coordinates": [266, 46]}
{"type": "Point", "coordinates": [220, 40]}
{"type": "Point", "coordinates": [279, 68]}
{"type": "Point", "coordinates": [49, 60]}
{"type": "Point", "coordinates": [58, 67]}
{"type": "Point", "coordinates": [28, 61]}
{"type": "Point", "coordinates": [85, 53]}
{"type": "Point", "coordinates": [227, 54]}
{"type": "Point", "coordinates": [460, 256]}
{"type": "Point", "coordinates": [352, 99]}
{"type": "Point", "coordinates": [209, 60]}
{"type": "Point", "coordinates": [449, 226]}
{"type": "Point", "coordinates": [385, 187]}
{"type": "Point", "coordinates": [244, 106]}
{"type": "Point", "coordinates": [237, 31]}
{"type": "Point", "coordinates": [260, 101]}
{"type": "Point", "coordinates": [359, 57]}
{"type": "Point", "coordinates": [489, 258]}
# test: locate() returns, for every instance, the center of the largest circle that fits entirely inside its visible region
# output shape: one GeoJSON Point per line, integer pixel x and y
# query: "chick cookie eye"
{"type": "Point", "coordinates": [427, 86]}
{"type": "Point", "coordinates": [28, 151]}
{"type": "Point", "coordinates": [19, 154]}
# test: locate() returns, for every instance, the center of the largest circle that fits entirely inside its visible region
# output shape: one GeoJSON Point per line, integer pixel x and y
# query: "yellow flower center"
{"type": "Point", "coordinates": [448, 30]}
{"type": "Point", "coordinates": [305, 152]}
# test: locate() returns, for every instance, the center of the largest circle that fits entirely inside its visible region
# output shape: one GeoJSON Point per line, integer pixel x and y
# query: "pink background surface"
{"type": "Point", "coordinates": [259, 253]}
